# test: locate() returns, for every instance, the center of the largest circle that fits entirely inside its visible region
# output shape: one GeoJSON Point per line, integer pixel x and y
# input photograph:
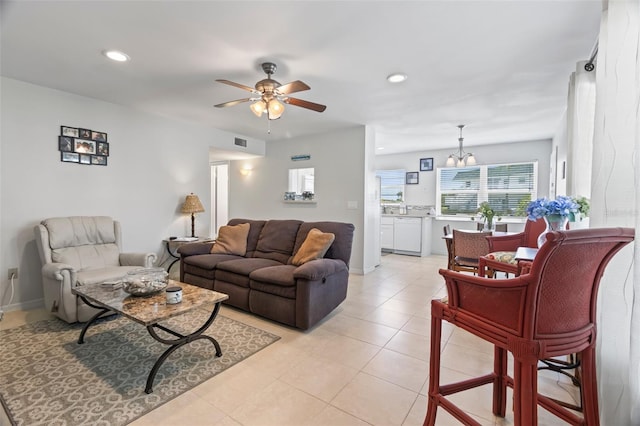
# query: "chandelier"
{"type": "Point", "coordinates": [461, 158]}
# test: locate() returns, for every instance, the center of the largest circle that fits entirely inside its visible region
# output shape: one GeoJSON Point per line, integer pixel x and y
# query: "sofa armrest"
{"type": "Point", "coordinates": [57, 271]}
{"type": "Point", "coordinates": [138, 259]}
{"type": "Point", "coordinates": [192, 249]}
{"type": "Point", "coordinates": [319, 268]}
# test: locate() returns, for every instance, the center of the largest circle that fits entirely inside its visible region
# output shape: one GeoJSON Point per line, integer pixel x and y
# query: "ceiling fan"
{"type": "Point", "coordinates": [270, 95]}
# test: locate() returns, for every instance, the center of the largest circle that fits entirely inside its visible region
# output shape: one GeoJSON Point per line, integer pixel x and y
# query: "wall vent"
{"type": "Point", "coordinates": [240, 142]}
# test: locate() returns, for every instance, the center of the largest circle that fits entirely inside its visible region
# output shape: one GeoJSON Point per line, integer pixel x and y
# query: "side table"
{"type": "Point", "coordinates": [172, 246]}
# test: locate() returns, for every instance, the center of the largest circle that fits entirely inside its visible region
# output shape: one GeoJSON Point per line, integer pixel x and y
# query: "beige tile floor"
{"type": "Point", "coordinates": [365, 364]}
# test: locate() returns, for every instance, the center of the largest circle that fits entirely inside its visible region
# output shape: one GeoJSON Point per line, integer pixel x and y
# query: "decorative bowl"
{"type": "Point", "coordinates": [145, 281]}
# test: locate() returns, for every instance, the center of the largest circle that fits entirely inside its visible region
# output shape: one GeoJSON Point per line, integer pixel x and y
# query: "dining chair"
{"type": "Point", "coordinates": [499, 227]}
{"type": "Point", "coordinates": [549, 312]}
{"type": "Point", "coordinates": [468, 247]}
{"type": "Point", "coordinates": [502, 249]}
{"type": "Point", "coordinates": [448, 241]}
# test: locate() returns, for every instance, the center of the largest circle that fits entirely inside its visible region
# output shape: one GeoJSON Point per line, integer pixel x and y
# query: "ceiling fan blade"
{"type": "Point", "coordinates": [238, 85]}
{"type": "Point", "coordinates": [232, 103]}
{"type": "Point", "coordinates": [305, 104]}
{"type": "Point", "coordinates": [294, 86]}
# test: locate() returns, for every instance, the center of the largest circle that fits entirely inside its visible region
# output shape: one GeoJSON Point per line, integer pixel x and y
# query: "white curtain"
{"type": "Point", "coordinates": [615, 202]}
{"type": "Point", "coordinates": [580, 122]}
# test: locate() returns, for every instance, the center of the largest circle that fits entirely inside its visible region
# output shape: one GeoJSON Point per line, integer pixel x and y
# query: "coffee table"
{"type": "Point", "coordinates": [150, 311]}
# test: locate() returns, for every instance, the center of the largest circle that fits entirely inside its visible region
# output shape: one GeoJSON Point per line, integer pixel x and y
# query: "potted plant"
{"type": "Point", "coordinates": [583, 208]}
{"type": "Point", "coordinates": [487, 213]}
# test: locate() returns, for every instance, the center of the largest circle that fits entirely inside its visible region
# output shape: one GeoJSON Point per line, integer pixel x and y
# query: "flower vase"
{"type": "Point", "coordinates": [554, 222]}
{"type": "Point", "coordinates": [488, 225]}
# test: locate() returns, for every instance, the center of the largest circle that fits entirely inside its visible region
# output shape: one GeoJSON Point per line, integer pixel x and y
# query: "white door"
{"type": "Point", "coordinates": [219, 196]}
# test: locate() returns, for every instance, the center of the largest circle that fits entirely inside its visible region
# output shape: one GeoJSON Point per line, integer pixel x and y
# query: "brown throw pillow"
{"type": "Point", "coordinates": [314, 246]}
{"type": "Point", "coordinates": [232, 240]}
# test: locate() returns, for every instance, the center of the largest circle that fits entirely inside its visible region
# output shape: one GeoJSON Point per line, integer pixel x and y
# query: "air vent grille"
{"type": "Point", "coordinates": [240, 142]}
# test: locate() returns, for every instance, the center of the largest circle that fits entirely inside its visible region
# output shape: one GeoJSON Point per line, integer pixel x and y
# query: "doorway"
{"type": "Point", "coordinates": [219, 196]}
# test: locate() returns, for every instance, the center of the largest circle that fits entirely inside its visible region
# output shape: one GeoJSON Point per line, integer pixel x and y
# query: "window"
{"type": "Point", "coordinates": [507, 187]}
{"type": "Point", "coordinates": [391, 186]}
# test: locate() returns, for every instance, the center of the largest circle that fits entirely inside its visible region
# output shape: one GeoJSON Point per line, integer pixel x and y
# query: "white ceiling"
{"type": "Point", "coordinates": [500, 67]}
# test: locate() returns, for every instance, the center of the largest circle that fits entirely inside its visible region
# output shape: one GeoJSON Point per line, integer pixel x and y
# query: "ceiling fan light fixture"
{"type": "Point", "coordinates": [258, 107]}
{"type": "Point", "coordinates": [275, 109]}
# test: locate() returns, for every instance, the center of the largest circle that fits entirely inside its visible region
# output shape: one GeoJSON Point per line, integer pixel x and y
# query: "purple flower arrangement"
{"type": "Point", "coordinates": [561, 206]}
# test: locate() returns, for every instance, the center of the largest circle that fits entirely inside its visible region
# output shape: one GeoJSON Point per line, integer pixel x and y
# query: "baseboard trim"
{"type": "Point", "coordinates": [24, 306]}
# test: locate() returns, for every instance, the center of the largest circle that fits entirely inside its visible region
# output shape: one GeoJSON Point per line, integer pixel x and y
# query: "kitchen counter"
{"type": "Point", "coordinates": [406, 215]}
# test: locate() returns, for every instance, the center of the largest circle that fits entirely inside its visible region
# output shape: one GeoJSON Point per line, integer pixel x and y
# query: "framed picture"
{"type": "Point", "coordinates": [412, 178]}
{"type": "Point", "coordinates": [69, 157]}
{"type": "Point", "coordinates": [100, 160]}
{"type": "Point", "coordinates": [426, 164]}
{"type": "Point", "coordinates": [65, 143]}
{"type": "Point", "coordinates": [84, 133]}
{"type": "Point", "coordinates": [103, 148]}
{"type": "Point", "coordinates": [84, 146]}
{"type": "Point", "coordinates": [99, 136]}
{"type": "Point", "coordinates": [69, 131]}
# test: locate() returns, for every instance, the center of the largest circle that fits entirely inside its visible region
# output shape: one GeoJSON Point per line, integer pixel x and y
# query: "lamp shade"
{"type": "Point", "coordinates": [275, 109]}
{"type": "Point", "coordinates": [192, 204]}
{"type": "Point", "coordinates": [258, 107]}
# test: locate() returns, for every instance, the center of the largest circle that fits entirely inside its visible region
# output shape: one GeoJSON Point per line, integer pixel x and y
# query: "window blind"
{"type": "Point", "coordinates": [508, 188]}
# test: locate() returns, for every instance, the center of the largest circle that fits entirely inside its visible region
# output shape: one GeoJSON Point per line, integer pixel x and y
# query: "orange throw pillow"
{"type": "Point", "coordinates": [232, 240]}
{"type": "Point", "coordinates": [314, 246]}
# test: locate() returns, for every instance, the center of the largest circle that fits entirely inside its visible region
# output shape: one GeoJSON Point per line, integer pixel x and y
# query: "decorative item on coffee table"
{"type": "Point", "coordinates": [145, 281]}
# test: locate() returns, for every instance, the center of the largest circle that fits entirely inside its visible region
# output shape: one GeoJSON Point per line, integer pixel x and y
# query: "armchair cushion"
{"type": "Point", "coordinates": [503, 256]}
{"type": "Point", "coordinates": [232, 240]}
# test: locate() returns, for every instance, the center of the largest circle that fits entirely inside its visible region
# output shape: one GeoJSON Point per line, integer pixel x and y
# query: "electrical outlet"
{"type": "Point", "coordinates": [13, 272]}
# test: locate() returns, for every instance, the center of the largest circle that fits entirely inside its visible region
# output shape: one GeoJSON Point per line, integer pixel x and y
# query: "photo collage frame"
{"type": "Point", "coordinates": [83, 146]}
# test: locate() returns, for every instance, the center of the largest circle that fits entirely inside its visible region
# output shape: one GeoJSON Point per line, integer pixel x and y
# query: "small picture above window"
{"type": "Point", "coordinates": [426, 164]}
{"type": "Point", "coordinates": [412, 178]}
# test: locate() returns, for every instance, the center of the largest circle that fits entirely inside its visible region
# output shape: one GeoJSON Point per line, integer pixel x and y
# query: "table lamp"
{"type": "Point", "coordinates": [192, 205]}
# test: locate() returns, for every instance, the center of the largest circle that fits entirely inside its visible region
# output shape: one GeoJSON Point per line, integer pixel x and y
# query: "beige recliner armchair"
{"type": "Point", "coordinates": [78, 251]}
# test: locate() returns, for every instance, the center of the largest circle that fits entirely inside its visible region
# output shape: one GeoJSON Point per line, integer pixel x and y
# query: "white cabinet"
{"type": "Point", "coordinates": [407, 234]}
{"type": "Point", "coordinates": [386, 233]}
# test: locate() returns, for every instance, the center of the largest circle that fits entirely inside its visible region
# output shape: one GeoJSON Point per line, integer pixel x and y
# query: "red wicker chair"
{"type": "Point", "coordinates": [502, 249]}
{"type": "Point", "coordinates": [548, 312]}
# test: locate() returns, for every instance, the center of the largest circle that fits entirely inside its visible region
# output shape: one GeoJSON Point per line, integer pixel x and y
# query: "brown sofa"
{"type": "Point", "coordinates": [265, 282]}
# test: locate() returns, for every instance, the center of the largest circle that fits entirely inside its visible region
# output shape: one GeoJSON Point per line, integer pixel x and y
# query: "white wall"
{"type": "Point", "coordinates": [425, 192]}
{"type": "Point", "coordinates": [339, 162]}
{"type": "Point", "coordinates": [154, 162]}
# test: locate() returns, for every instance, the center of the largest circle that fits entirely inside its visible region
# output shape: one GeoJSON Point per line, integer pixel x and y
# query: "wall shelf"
{"type": "Point", "coordinates": [300, 201]}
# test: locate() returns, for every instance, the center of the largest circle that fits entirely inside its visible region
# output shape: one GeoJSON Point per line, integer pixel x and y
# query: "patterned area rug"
{"type": "Point", "coordinates": [46, 378]}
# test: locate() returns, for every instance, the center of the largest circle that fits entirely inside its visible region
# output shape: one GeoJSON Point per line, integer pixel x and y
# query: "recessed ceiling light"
{"type": "Point", "coordinates": [116, 55]}
{"type": "Point", "coordinates": [381, 147]}
{"type": "Point", "coordinates": [397, 78]}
